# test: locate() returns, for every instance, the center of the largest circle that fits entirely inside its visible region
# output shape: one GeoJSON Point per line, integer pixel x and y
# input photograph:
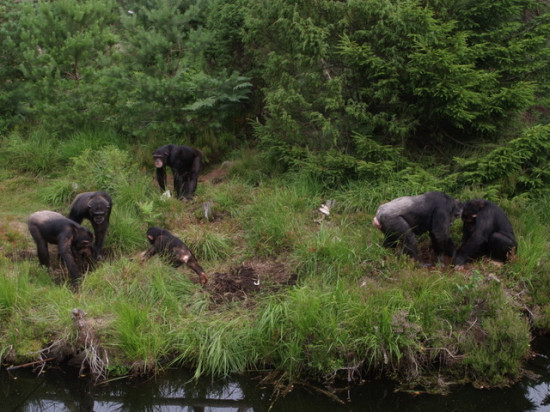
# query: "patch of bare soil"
{"type": "Point", "coordinates": [248, 279]}
{"type": "Point", "coordinates": [216, 175]}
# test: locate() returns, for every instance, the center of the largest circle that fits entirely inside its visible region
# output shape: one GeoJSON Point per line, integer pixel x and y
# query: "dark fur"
{"type": "Point", "coordinates": [403, 218]}
{"type": "Point", "coordinates": [486, 231]}
{"type": "Point", "coordinates": [172, 248]}
{"type": "Point", "coordinates": [74, 241]}
{"type": "Point", "coordinates": [185, 162]}
{"type": "Point", "coordinates": [96, 207]}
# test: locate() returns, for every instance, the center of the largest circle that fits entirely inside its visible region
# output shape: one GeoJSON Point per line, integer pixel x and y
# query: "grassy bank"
{"type": "Point", "coordinates": [290, 292]}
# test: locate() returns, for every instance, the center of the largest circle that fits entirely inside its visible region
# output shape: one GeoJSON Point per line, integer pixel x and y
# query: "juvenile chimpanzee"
{"type": "Point", "coordinates": [74, 241]}
{"type": "Point", "coordinates": [486, 232]}
{"type": "Point", "coordinates": [166, 244]}
{"type": "Point", "coordinates": [96, 207]}
{"type": "Point", "coordinates": [185, 163]}
{"type": "Point", "coordinates": [403, 218]}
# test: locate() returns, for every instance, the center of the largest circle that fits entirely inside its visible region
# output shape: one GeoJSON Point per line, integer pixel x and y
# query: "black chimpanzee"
{"type": "Point", "coordinates": [166, 244]}
{"type": "Point", "coordinates": [74, 241]}
{"type": "Point", "coordinates": [96, 207]}
{"type": "Point", "coordinates": [403, 218]}
{"type": "Point", "coordinates": [486, 232]}
{"type": "Point", "coordinates": [185, 163]}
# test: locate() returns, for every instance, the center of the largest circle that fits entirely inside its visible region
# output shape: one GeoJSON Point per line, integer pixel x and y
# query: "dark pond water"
{"type": "Point", "coordinates": [23, 390]}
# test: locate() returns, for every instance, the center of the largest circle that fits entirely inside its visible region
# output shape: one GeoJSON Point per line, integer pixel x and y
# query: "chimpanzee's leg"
{"type": "Point", "coordinates": [395, 229]}
{"type": "Point", "coordinates": [500, 246]}
{"type": "Point", "coordinates": [179, 181]}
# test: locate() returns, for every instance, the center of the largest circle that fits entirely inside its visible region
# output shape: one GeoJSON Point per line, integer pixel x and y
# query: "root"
{"type": "Point", "coordinates": [91, 349]}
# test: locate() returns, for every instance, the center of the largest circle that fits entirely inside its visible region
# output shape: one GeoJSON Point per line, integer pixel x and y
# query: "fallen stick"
{"type": "Point", "coordinates": [24, 365]}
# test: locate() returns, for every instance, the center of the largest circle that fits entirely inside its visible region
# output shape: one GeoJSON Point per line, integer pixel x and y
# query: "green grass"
{"type": "Point", "coordinates": [356, 307]}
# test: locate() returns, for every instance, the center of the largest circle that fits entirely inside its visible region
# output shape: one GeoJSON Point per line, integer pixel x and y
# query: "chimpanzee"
{"type": "Point", "coordinates": [96, 207]}
{"type": "Point", "coordinates": [74, 241]}
{"type": "Point", "coordinates": [403, 218]}
{"type": "Point", "coordinates": [185, 163]}
{"type": "Point", "coordinates": [486, 232]}
{"type": "Point", "coordinates": [166, 244]}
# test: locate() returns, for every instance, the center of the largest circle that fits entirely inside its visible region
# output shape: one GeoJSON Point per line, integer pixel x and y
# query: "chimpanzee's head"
{"type": "Point", "coordinates": [98, 208]}
{"type": "Point", "coordinates": [82, 242]}
{"type": "Point", "coordinates": [153, 232]}
{"type": "Point", "coordinates": [160, 156]}
{"type": "Point", "coordinates": [472, 208]}
{"type": "Point", "coordinates": [470, 211]}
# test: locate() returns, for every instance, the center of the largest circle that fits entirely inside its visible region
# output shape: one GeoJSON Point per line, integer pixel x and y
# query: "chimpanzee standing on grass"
{"type": "Point", "coordinates": [403, 218]}
{"type": "Point", "coordinates": [166, 244]}
{"type": "Point", "coordinates": [185, 163]}
{"type": "Point", "coordinates": [96, 207]}
{"type": "Point", "coordinates": [486, 232]}
{"type": "Point", "coordinates": [74, 241]}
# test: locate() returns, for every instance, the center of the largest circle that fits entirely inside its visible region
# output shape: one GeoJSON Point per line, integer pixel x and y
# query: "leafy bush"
{"type": "Point", "coordinates": [519, 166]}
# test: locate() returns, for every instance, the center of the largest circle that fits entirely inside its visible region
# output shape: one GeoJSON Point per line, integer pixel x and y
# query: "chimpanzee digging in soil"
{"type": "Point", "coordinates": [486, 232]}
{"type": "Point", "coordinates": [74, 241]}
{"type": "Point", "coordinates": [169, 246]}
{"type": "Point", "coordinates": [185, 163]}
{"type": "Point", "coordinates": [404, 218]}
{"type": "Point", "coordinates": [96, 207]}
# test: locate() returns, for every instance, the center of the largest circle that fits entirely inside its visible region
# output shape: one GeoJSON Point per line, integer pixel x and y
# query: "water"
{"type": "Point", "coordinates": [62, 390]}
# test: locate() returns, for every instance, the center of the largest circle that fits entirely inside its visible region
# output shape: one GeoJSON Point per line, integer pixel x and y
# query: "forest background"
{"type": "Point", "coordinates": [298, 102]}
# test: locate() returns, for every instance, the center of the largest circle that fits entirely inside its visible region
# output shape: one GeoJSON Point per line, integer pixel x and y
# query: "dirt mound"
{"type": "Point", "coordinates": [248, 279]}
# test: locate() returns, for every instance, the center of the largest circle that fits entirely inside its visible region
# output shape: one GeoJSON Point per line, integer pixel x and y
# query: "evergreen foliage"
{"type": "Point", "coordinates": [519, 166]}
{"type": "Point", "coordinates": [356, 101]}
{"type": "Point", "coordinates": [317, 77]}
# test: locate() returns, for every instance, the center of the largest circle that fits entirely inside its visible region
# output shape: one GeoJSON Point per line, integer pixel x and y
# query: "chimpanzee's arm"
{"type": "Point", "coordinates": [66, 252]}
{"type": "Point", "coordinates": [161, 178]}
{"type": "Point", "coordinates": [440, 233]}
{"type": "Point", "coordinates": [152, 251]}
{"type": "Point", "coordinates": [41, 244]}
{"type": "Point", "coordinates": [471, 247]}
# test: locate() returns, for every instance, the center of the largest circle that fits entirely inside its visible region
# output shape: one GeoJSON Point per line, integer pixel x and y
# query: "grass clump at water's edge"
{"type": "Point", "coordinates": [357, 308]}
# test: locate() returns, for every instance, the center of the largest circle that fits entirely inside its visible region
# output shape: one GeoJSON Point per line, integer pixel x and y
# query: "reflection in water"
{"type": "Point", "coordinates": [21, 390]}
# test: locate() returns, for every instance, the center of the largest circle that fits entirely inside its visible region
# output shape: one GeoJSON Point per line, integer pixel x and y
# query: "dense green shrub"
{"type": "Point", "coordinates": [516, 167]}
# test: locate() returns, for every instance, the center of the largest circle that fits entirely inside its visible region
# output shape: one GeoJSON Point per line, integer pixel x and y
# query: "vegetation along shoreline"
{"type": "Point", "coordinates": [318, 191]}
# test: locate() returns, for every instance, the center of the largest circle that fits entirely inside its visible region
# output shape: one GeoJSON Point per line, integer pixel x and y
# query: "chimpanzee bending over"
{"type": "Point", "coordinates": [74, 241]}
{"type": "Point", "coordinates": [486, 232]}
{"type": "Point", "coordinates": [166, 244]}
{"type": "Point", "coordinates": [96, 207]}
{"type": "Point", "coordinates": [185, 163]}
{"type": "Point", "coordinates": [403, 218]}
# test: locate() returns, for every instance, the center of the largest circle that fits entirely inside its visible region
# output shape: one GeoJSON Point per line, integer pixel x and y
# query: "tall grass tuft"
{"type": "Point", "coordinates": [84, 140]}
{"type": "Point", "coordinates": [216, 346]}
{"type": "Point", "coordinates": [15, 288]}
{"type": "Point", "coordinates": [328, 329]}
{"type": "Point", "coordinates": [335, 249]}
{"type": "Point", "coordinates": [208, 244]}
{"type": "Point", "coordinates": [37, 153]}
{"type": "Point", "coordinates": [532, 236]}
{"type": "Point", "coordinates": [58, 193]}
{"type": "Point", "coordinates": [274, 222]}
{"type": "Point", "coordinates": [126, 231]}
{"type": "Point", "coordinates": [106, 169]}
{"type": "Point", "coordinates": [139, 336]}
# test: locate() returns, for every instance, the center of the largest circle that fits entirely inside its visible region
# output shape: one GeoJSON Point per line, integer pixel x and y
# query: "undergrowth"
{"type": "Point", "coordinates": [357, 309]}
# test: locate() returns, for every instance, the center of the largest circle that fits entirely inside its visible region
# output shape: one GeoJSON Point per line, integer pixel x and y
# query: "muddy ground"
{"type": "Point", "coordinates": [248, 279]}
